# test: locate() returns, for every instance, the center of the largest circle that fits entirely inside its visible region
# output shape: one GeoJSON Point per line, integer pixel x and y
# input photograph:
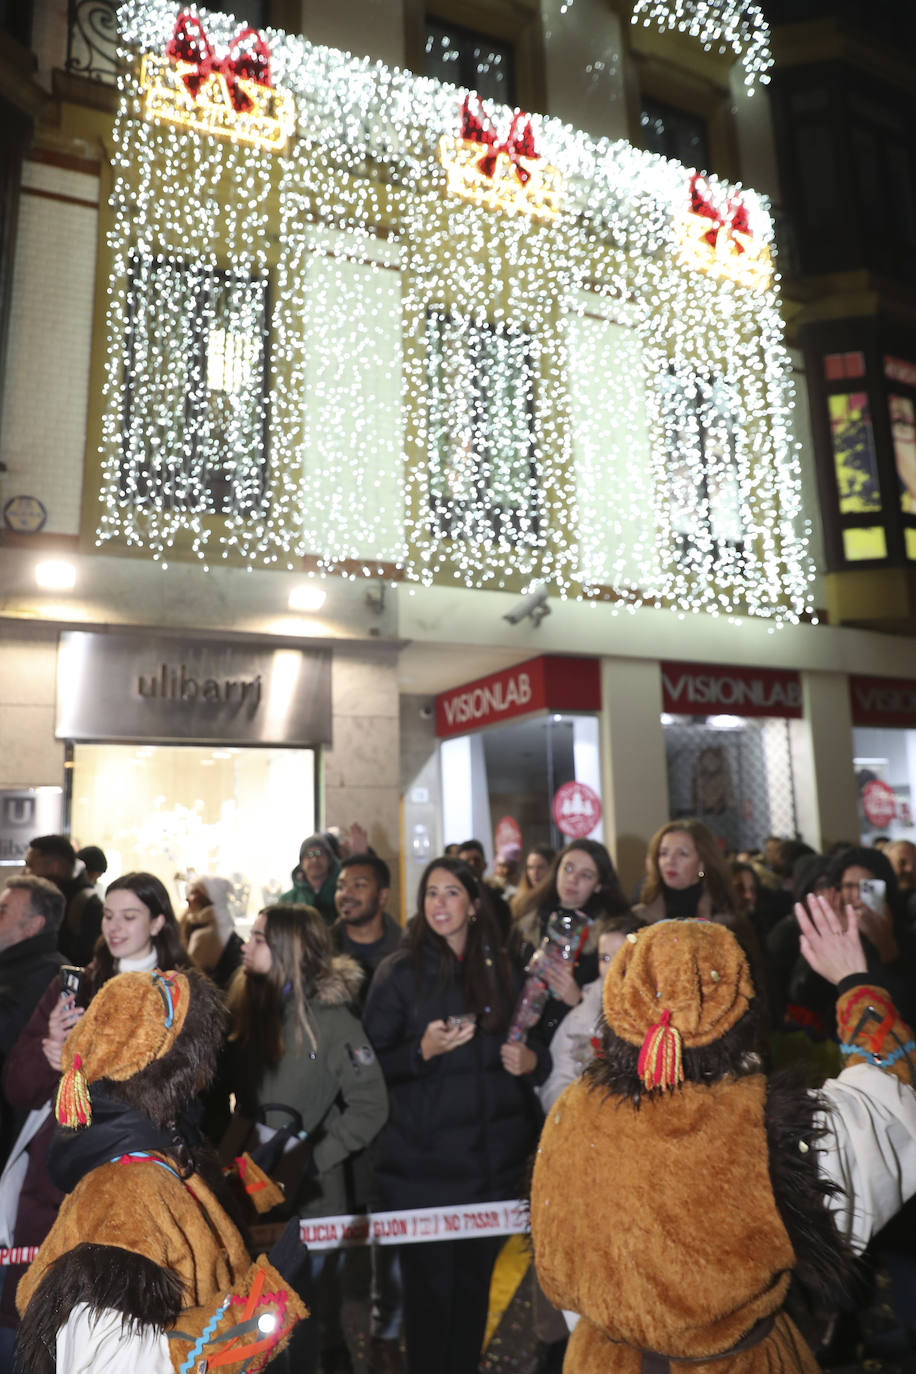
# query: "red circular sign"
{"type": "Point", "coordinates": [508, 834]}
{"type": "Point", "coordinates": [576, 810]}
{"type": "Point", "coordinates": [879, 802]}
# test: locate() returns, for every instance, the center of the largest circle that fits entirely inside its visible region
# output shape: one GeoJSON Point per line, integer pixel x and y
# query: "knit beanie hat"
{"type": "Point", "coordinates": [132, 1021]}
{"type": "Point", "coordinates": [219, 891]}
{"type": "Point", "coordinates": [675, 985]}
{"type": "Point", "coordinates": [318, 842]}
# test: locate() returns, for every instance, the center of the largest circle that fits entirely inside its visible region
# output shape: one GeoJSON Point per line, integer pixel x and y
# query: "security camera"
{"type": "Point", "coordinates": [426, 712]}
{"type": "Point", "coordinates": [533, 605]}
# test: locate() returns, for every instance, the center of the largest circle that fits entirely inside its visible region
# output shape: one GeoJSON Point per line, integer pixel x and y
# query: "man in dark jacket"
{"type": "Point", "coordinates": [363, 928]}
{"type": "Point", "coordinates": [53, 857]}
{"type": "Point", "coordinates": [30, 915]}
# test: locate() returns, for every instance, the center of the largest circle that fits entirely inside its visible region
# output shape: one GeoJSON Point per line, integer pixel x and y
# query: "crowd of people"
{"type": "Point", "coordinates": [366, 1066]}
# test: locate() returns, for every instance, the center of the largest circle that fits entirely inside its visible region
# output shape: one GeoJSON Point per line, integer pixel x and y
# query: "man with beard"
{"type": "Point", "coordinates": [366, 932]}
{"type": "Point", "coordinates": [363, 928]}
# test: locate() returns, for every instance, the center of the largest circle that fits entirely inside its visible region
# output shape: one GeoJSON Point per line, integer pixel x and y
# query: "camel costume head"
{"type": "Point", "coordinates": [679, 1005]}
{"type": "Point", "coordinates": [652, 1208]}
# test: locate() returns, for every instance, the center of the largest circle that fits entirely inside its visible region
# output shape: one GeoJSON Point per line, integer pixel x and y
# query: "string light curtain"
{"type": "Point", "coordinates": [473, 394]}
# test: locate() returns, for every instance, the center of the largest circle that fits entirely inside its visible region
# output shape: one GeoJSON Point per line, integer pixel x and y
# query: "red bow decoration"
{"type": "Point", "coordinates": [735, 217]}
{"type": "Point", "coordinates": [248, 58]}
{"type": "Point", "coordinates": [519, 142]}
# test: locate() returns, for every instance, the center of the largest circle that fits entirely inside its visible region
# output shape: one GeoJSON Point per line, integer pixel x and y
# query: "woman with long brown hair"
{"type": "Point", "coordinates": [582, 878]}
{"type": "Point", "coordinates": [686, 875]}
{"type": "Point", "coordinates": [295, 1042]}
{"type": "Point", "coordinates": [462, 1124]}
{"type": "Point", "coordinates": [536, 867]}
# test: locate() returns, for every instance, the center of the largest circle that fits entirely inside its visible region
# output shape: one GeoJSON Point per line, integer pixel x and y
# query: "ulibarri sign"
{"type": "Point", "coordinates": [127, 687]}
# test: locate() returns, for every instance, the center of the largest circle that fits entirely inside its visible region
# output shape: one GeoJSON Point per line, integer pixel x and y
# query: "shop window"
{"type": "Point", "coordinates": [703, 471]}
{"type": "Point", "coordinates": [901, 401]}
{"type": "Point", "coordinates": [467, 58]}
{"type": "Point", "coordinates": [195, 363]}
{"type": "Point", "coordinates": [483, 483]}
{"type": "Point", "coordinates": [675, 133]}
{"type": "Point", "coordinates": [734, 773]}
{"type": "Point", "coordinates": [855, 465]}
{"type": "Point", "coordinates": [847, 153]}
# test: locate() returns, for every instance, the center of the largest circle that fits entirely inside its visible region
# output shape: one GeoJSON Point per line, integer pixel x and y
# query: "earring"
{"type": "Point", "coordinates": [702, 873]}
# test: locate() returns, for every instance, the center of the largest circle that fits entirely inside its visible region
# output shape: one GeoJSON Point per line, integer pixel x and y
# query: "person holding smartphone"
{"type": "Point", "coordinates": [865, 882]}
{"type": "Point", "coordinates": [462, 1125]}
{"type": "Point", "coordinates": [139, 933]}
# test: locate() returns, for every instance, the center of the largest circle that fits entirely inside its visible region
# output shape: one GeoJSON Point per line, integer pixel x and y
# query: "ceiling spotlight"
{"type": "Point", "coordinates": [55, 575]}
{"type": "Point", "coordinates": [307, 597]}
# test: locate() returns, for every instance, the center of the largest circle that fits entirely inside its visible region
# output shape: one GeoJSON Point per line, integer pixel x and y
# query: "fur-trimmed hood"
{"type": "Point", "coordinates": [340, 987]}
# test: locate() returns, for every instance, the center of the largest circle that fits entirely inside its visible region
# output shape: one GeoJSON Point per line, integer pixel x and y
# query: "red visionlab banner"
{"type": "Point", "coordinates": [710, 689]}
{"type": "Point", "coordinates": [883, 701]}
{"type": "Point", "coordinates": [550, 683]}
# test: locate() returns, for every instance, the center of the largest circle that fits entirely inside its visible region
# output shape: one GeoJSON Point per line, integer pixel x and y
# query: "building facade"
{"type": "Point", "coordinates": [490, 325]}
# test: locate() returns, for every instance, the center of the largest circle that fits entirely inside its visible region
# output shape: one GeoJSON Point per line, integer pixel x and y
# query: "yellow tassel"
{"type": "Point", "coordinates": [660, 1064]}
{"type": "Point", "coordinates": [73, 1107]}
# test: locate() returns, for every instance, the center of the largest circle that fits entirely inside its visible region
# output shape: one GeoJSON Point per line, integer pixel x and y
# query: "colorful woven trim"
{"type": "Point", "coordinates": [880, 1061]}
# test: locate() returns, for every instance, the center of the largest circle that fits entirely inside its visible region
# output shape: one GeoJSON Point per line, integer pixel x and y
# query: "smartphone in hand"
{"type": "Point", "coordinates": [871, 892]}
{"type": "Point", "coordinates": [71, 982]}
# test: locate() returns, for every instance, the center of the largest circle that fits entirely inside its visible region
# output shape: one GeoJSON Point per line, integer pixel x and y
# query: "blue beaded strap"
{"type": "Point", "coordinates": [142, 1154]}
{"type": "Point", "coordinates": [880, 1061]}
{"type": "Point", "coordinates": [204, 1338]}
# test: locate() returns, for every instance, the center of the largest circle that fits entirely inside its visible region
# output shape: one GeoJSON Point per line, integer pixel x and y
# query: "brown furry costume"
{"type": "Point", "coordinates": [653, 1212]}
{"type": "Point", "coordinates": [142, 1233]}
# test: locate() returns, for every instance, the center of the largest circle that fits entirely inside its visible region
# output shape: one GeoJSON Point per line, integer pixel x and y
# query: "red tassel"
{"type": "Point", "coordinates": [660, 1063]}
{"type": "Point", "coordinates": [73, 1106]}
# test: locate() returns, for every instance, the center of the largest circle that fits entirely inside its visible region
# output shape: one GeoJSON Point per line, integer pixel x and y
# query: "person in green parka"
{"type": "Point", "coordinates": [296, 1041]}
{"type": "Point", "coordinates": [315, 878]}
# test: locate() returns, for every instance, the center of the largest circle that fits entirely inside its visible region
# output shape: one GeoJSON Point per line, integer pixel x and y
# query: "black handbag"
{"type": "Point", "coordinates": [284, 1153]}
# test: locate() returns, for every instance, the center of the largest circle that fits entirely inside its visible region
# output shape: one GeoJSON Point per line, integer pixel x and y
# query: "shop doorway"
{"type": "Point", "coordinates": [884, 761]}
{"type": "Point", "coordinates": [514, 770]}
{"type": "Point", "coordinates": [180, 810]}
{"type": "Point", "coordinates": [735, 774]}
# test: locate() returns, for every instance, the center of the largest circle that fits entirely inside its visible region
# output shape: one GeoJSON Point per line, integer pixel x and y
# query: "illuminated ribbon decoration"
{"type": "Point", "coordinates": [734, 219]}
{"type": "Point", "coordinates": [248, 58]}
{"type": "Point", "coordinates": [519, 141]}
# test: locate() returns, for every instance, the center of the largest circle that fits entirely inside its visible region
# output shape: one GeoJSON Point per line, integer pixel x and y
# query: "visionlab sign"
{"type": "Point", "coordinates": [707, 689]}
{"type": "Point", "coordinates": [549, 683]}
{"type": "Point", "coordinates": [888, 701]}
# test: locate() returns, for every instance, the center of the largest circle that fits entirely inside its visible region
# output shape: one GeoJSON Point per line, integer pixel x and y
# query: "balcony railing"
{"type": "Point", "coordinates": [92, 39]}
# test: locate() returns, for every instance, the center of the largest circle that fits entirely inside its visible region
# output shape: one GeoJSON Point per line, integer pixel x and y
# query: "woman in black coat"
{"type": "Point", "coordinates": [461, 1125]}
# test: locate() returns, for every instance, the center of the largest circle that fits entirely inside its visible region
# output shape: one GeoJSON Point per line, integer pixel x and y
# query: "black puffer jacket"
{"type": "Point", "coordinates": [461, 1128]}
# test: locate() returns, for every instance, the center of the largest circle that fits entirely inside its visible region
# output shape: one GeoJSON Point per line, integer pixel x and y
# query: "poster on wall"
{"type": "Point", "coordinates": [576, 810]}
{"type": "Point", "coordinates": [507, 835]}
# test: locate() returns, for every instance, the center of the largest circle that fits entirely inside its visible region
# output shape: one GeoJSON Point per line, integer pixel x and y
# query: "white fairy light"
{"type": "Point", "coordinates": [738, 26]}
{"type": "Point", "coordinates": [383, 373]}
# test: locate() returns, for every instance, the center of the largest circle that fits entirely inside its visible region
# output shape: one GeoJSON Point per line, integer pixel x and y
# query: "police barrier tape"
{"type": "Point", "coordinates": [417, 1224]}
{"type": "Point", "coordinates": [19, 1254]}
{"type": "Point", "coordinates": [385, 1228]}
